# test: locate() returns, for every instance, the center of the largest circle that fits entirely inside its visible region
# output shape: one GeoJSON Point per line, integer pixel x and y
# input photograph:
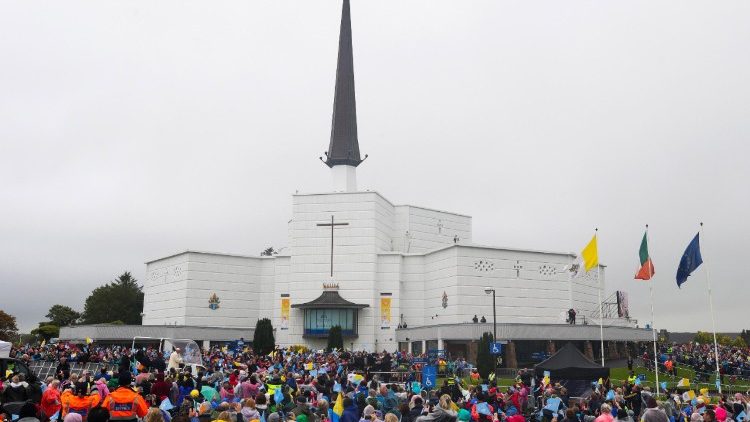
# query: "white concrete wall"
{"type": "Point", "coordinates": [369, 229]}
{"type": "Point", "coordinates": [419, 230]}
{"type": "Point", "coordinates": [165, 291]}
{"type": "Point", "coordinates": [584, 293]}
{"type": "Point", "coordinates": [441, 275]}
{"type": "Point", "coordinates": [191, 279]}
{"type": "Point", "coordinates": [370, 258]}
{"type": "Point", "coordinates": [235, 281]}
{"type": "Point", "coordinates": [412, 302]}
{"type": "Point", "coordinates": [531, 287]}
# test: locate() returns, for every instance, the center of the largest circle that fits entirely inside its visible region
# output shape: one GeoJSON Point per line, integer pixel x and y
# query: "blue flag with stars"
{"type": "Point", "coordinates": [690, 260]}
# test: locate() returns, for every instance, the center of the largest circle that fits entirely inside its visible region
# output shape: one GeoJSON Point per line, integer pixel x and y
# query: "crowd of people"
{"type": "Point", "coordinates": [733, 361]}
{"type": "Point", "coordinates": [223, 357]}
{"type": "Point", "coordinates": [297, 385]}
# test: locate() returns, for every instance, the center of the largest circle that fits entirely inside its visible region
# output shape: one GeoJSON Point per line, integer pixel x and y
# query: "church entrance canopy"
{"type": "Point", "coordinates": [329, 310]}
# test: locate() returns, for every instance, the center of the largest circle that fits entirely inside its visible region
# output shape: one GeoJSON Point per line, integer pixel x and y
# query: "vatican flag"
{"type": "Point", "coordinates": [590, 255]}
{"type": "Point", "coordinates": [88, 340]}
{"type": "Point", "coordinates": [338, 409]}
{"type": "Point", "coordinates": [684, 383]}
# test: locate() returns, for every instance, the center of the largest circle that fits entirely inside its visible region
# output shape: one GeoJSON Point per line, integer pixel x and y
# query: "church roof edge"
{"type": "Point", "coordinates": [476, 246]}
{"type": "Point", "coordinates": [384, 198]}
{"type": "Point", "coordinates": [234, 255]}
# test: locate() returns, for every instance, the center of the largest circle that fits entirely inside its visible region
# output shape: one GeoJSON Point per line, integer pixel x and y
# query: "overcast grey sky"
{"type": "Point", "coordinates": [131, 130]}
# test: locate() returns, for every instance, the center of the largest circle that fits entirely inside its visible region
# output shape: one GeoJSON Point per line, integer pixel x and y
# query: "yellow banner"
{"type": "Point", "coordinates": [285, 313]}
{"type": "Point", "coordinates": [385, 312]}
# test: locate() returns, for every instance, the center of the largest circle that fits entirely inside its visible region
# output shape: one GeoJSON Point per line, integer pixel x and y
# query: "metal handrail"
{"type": "Point", "coordinates": [44, 369]}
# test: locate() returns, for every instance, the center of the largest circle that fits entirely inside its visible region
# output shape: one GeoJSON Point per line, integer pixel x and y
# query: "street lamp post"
{"type": "Point", "coordinates": [491, 291]}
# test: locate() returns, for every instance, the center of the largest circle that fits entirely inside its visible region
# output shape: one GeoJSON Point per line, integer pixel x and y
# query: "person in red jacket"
{"type": "Point", "coordinates": [51, 402]}
{"type": "Point", "coordinates": [482, 411]}
{"type": "Point", "coordinates": [161, 388]}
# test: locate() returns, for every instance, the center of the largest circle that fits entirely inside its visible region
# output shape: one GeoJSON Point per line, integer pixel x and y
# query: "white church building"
{"type": "Point", "coordinates": [393, 276]}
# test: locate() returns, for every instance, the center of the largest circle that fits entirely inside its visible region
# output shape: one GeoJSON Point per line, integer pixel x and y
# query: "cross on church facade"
{"type": "Point", "coordinates": [333, 225]}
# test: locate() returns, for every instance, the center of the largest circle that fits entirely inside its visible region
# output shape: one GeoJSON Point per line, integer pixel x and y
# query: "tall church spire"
{"type": "Point", "coordinates": [344, 147]}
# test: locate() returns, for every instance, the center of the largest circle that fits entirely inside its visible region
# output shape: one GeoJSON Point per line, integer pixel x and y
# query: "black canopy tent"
{"type": "Point", "coordinates": [570, 364]}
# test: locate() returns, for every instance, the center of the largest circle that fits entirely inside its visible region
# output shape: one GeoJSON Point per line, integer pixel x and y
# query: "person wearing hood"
{"type": "Point", "coordinates": [16, 390]}
{"type": "Point", "coordinates": [51, 402]}
{"type": "Point", "coordinates": [443, 412]}
{"type": "Point", "coordinates": [721, 414]}
{"type": "Point", "coordinates": [160, 388]}
{"type": "Point", "coordinates": [303, 409]}
{"type": "Point", "coordinates": [463, 415]}
{"type": "Point", "coordinates": [203, 413]}
{"type": "Point", "coordinates": [81, 402]}
{"type": "Point", "coordinates": [249, 387]}
{"type": "Point", "coordinates": [367, 413]}
{"type": "Point", "coordinates": [101, 388]}
{"type": "Point", "coordinates": [481, 410]}
{"type": "Point", "coordinates": [249, 412]}
{"type": "Point", "coordinates": [653, 413]}
{"type": "Point", "coordinates": [124, 404]}
{"type": "Point", "coordinates": [623, 416]}
{"type": "Point", "coordinates": [351, 411]}
{"type": "Point", "coordinates": [261, 405]}
{"type": "Point", "coordinates": [417, 409]}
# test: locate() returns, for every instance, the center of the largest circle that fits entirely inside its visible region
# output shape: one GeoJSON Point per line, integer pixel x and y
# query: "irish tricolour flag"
{"type": "Point", "coordinates": [647, 267]}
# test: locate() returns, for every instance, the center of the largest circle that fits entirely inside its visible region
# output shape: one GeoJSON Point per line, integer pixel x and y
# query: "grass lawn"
{"type": "Point", "coordinates": [617, 375]}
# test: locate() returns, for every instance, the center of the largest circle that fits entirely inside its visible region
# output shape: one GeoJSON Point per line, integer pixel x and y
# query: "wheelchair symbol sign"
{"type": "Point", "coordinates": [496, 348]}
{"type": "Point", "coordinates": [429, 376]}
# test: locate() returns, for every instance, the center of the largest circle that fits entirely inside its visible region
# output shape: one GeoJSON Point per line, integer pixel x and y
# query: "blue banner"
{"type": "Point", "coordinates": [429, 377]}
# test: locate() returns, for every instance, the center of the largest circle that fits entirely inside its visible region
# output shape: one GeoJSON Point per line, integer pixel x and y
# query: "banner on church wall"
{"type": "Point", "coordinates": [285, 313]}
{"type": "Point", "coordinates": [385, 312]}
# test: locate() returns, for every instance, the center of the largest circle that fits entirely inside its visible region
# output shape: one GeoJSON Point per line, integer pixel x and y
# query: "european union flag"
{"type": "Point", "coordinates": [690, 260]}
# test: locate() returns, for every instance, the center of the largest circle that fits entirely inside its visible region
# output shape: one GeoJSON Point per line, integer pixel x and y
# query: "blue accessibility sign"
{"type": "Point", "coordinates": [496, 348]}
{"type": "Point", "coordinates": [429, 377]}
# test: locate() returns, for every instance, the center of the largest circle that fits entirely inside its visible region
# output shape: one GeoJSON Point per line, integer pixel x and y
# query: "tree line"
{"type": "Point", "coordinates": [117, 302]}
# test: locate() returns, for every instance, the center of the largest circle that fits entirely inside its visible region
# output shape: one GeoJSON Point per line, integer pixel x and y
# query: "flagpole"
{"type": "Point", "coordinates": [653, 327]}
{"type": "Point", "coordinates": [713, 320]}
{"type": "Point", "coordinates": [601, 306]}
